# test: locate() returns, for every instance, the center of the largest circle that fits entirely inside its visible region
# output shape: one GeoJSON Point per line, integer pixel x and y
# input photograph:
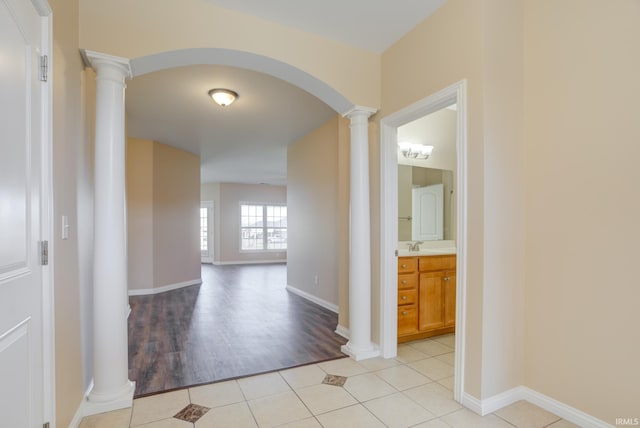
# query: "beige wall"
{"type": "Point", "coordinates": [312, 198]}
{"type": "Point", "coordinates": [405, 201]}
{"type": "Point", "coordinates": [201, 24]}
{"type": "Point", "coordinates": [176, 215]}
{"type": "Point", "coordinates": [582, 150]}
{"type": "Point", "coordinates": [344, 158]}
{"type": "Point", "coordinates": [73, 197]}
{"type": "Point", "coordinates": [503, 157]}
{"type": "Point", "coordinates": [139, 181]}
{"type": "Point", "coordinates": [163, 203]}
{"type": "Point", "coordinates": [446, 48]}
{"type": "Point", "coordinates": [226, 234]}
{"type": "Point", "coordinates": [558, 297]}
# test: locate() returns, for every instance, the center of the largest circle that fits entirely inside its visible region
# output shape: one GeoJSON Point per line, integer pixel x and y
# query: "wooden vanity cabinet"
{"type": "Point", "coordinates": [408, 278]}
{"type": "Point", "coordinates": [426, 296]}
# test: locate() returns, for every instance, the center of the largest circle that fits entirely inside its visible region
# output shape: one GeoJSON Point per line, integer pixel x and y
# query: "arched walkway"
{"type": "Point", "coordinates": [247, 60]}
{"type": "Point", "coordinates": [111, 388]}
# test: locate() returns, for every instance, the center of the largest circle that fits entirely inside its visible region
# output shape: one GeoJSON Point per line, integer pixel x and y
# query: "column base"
{"type": "Point", "coordinates": [100, 403]}
{"type": "Point", "coordinates": [360, 353]}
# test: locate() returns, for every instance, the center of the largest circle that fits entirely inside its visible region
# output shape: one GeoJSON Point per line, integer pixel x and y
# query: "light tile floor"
{"type": "Point", "coordinates": [412, 390]}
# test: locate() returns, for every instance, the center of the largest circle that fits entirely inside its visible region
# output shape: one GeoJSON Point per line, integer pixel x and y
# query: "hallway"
{"type": "Point", "coordinates": [240, 321]}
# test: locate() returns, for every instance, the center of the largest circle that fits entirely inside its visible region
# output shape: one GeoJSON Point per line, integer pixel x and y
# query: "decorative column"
{"type": "Point", "coordinates": [112, 388]}
{"type": "Point", "coordinates": [360, 346]}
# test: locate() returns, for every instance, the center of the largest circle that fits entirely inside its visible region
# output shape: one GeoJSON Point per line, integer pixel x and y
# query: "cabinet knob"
{"type": "Point", "coordinates": [404, 297]}
{"type": "Point", "coordinates": [404, 281]}
{"type": "Point", "coordinates": [446, 278]}
{"type": "Point", "coordinates": [404, 265]}
{"type": "Point", "coordinates": [404, 312]}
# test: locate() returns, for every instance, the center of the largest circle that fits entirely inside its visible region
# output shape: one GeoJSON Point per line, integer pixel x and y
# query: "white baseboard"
{"type": "Point", "coordinates": [247, 262]}
{"type": "Point", "coordinates": [206, 260]}
{"type": "Point", "coordinates": [497, 402]}
{"type": "Point", "coordinates": [147, 291]}
{"type": "Point", "coordinates": [563, 410]}
{"type": "Point", "coordinates": [472, 403]}
{"type": "Point", "coordinates": [343, 331]}
{"type": "Point", "coordinates": [81, 411]}
{"type": "Point", "coordinates": [314, 299]}
{"type": "Point", "coordinates": [501, 400]}
{"type": "Point", "coordinates": [77, 417]}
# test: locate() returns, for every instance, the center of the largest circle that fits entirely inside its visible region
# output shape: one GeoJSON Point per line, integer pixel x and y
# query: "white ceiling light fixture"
{"type": "Point", "coordinates": [223, 97]}
{"type": "Point", "coordinates": [414, 150]}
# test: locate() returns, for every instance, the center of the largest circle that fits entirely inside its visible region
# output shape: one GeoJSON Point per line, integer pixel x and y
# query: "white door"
{"type": "Point", "coordinates": [428, 213]}
{"type": "Point", "coordinates": [206, 232]}
{"type": "Point", "coordinates": [21, 298]}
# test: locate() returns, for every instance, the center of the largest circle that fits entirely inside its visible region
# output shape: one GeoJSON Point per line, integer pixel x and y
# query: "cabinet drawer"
{"type": "Point", "coordinates": [437, 262]}
{"type": "Point", "coordinates": [407, 264]}
{"type": "Point", "coordinates": [407, 320]}
{"type": "Point", "coordinates": [408, 280]}
{"type": "Point", "coordinates": [407, 297]}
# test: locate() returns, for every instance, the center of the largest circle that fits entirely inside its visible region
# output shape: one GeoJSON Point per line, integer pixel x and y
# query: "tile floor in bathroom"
{"type": "Point", "coordinates": [413, 390]}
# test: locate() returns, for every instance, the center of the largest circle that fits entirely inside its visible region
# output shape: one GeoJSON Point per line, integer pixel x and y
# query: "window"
{"type": "Point", "coordinates": [263, 227]}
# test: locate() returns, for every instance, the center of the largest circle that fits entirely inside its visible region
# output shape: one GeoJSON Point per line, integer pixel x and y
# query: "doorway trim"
{"type": "Point", "coordinates": [456, 93]}
{"type": "Point", "coordinates": [47, 215]}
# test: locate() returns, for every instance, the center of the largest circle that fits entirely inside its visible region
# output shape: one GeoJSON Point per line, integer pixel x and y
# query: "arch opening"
{"type": "Point", "coordinates": [246, 60]}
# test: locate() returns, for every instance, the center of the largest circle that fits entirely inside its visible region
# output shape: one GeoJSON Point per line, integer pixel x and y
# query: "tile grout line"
{"type": "Point", "coordinates": [503, 419]}
{"type": "Point", "coordinates": [296, 394]}
{"type": "Point", "coordinates": [357, 401]}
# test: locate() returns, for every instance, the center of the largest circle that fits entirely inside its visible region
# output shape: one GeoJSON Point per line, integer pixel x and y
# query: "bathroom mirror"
{"type": "Point", "coordinates": [412, 178]}
{"type": "Point", "coordinates": [438, 169]}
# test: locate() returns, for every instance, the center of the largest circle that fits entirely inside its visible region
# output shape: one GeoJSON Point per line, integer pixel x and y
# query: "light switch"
{"type": "Point", "coordinates": [65, 227]}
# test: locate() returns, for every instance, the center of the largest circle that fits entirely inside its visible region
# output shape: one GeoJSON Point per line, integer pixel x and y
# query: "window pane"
{"type": "Point", "coordinates": [263, 227]}
{"type": "Point", "coordinates": [252, 239]}
{"type": "Point", "coordinates": [277, 239]}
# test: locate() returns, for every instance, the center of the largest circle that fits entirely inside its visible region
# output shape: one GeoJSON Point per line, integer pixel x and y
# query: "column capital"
{"type": "Point", "coordinates": [98, 61]}
{"type": "Point", "coordinates": [360, 111]}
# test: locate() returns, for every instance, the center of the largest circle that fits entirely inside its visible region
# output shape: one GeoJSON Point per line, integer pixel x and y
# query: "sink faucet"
{"type": "Point", "coordinates": [415, 246]}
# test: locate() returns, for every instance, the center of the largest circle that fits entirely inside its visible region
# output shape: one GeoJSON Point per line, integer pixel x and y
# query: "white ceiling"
{"type": "Point", "coordinates": [373, 25]}
{"type": "Point", "coordinates": [247, 141]}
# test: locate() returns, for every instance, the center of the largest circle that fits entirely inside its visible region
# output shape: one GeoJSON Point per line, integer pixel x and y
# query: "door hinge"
{"type": "Point", "coordinates": [44, 68]}
{"type": "Point", "coordinates": [44, 253]}
{"type": "Point", "coordinates": [45, 425]}
{"type": "Point", "coordinates": [396, 253]}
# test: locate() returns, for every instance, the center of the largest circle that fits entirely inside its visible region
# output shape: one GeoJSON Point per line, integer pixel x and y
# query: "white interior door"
{"type": "Point", "coordinates": [206, 232]}
{"type": "Point", "coordinates": [428, 213]}
{"type": "Point", "coordinates": [21, 330]}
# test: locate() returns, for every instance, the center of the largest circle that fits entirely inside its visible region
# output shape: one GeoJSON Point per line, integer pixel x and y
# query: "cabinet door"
{"type": "Point", "coordinates": [449, 285]}
{"type": "Point", "coordinates": [430, 308]}
{"type": "Point", "coordinates": [407, 320]}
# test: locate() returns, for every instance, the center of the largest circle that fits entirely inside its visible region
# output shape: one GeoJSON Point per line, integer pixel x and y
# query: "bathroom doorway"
{"type": "Point", "coordinates": [452, 95]}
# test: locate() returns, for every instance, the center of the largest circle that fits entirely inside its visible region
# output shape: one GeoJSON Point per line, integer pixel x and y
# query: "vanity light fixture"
{"type": "Point", "coordinates": [414, 150]}
{"type": "Point", "coordinates": [223, 97]}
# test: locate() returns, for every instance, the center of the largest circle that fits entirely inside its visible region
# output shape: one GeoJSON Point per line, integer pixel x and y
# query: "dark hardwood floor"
{"type": "Point", "coordinates": [240, 321]}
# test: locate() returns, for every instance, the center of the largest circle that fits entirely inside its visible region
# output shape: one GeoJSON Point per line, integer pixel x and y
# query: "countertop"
{"type": "Point", "coordinates": [428, 248]}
